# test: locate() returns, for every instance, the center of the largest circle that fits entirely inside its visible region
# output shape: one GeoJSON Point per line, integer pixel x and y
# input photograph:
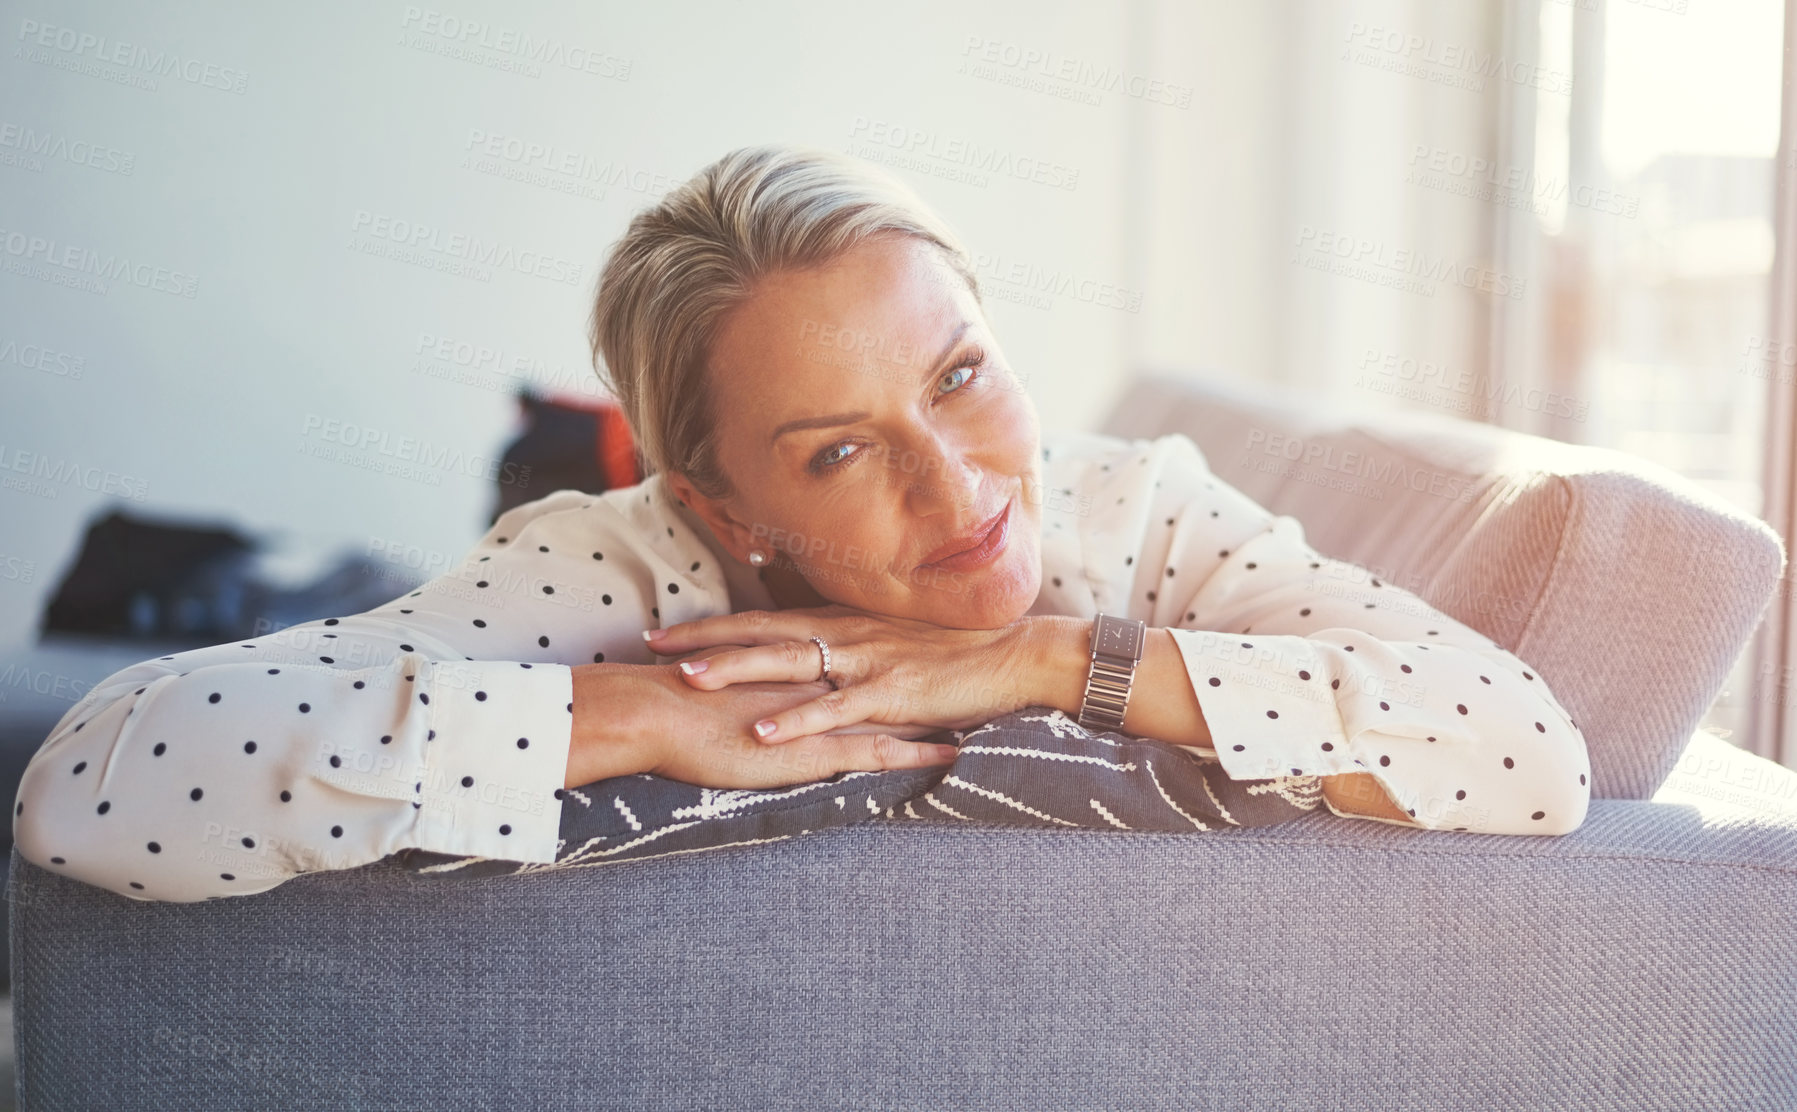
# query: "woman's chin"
{"type": "Point", "coordinates": [994, 596]}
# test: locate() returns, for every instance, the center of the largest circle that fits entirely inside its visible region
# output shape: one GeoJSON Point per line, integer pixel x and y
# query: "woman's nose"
{"type": "Point", "coordinates": [951, 480]}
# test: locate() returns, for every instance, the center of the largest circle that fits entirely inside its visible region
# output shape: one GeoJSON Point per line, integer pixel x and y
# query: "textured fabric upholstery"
{"type": "Point", "coordinates": [1632, 590]}
{"type": "Point", "coordinates": [1647, 961]}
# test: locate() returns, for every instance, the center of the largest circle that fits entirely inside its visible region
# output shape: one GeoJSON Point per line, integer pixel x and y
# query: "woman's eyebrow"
{"type": "Point", "coordinates": [818, 422]}
{"type": "Point", "coordinates": [948, 349]}
{"type": "Point", "coordinates": [830, 419]}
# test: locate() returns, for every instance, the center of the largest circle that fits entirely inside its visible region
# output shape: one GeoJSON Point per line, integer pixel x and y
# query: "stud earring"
{"type": "Point", "coordinates": [757, 557]}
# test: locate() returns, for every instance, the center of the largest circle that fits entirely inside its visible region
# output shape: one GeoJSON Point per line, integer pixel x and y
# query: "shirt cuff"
{"type": "Point", "coordinates": [495, 758]}
{"type": "Point", "coordinates": [1268, 702]}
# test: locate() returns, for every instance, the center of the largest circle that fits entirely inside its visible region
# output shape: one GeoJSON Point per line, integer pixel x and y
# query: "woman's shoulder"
{"type": "Point", "coordinates": [645, 522]}
{"type": "Point", "coordinates": [1099, 490]}
{"type": "Point", "coordinates": [1077, 459]}
{"type": "Point", "coordinates": [575, 572]}
{"type": "Point", "coordinates": [638, 535]}
{"type": "Point", "coordinates": [640, 511]}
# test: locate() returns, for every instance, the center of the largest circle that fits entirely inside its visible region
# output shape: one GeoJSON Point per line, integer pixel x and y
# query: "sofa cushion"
{"type": "Point", "coordinates": [1631, 589]}
{"type": "Point", "coordinates": [1031, 767]}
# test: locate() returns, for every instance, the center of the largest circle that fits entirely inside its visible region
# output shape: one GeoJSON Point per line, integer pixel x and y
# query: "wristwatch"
{"type": "Point", "coordinates": [1116, 649]}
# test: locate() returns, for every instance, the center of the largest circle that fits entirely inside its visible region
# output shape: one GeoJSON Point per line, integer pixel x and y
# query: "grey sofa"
{"type": "Point", "coordinates": [1646, 961]}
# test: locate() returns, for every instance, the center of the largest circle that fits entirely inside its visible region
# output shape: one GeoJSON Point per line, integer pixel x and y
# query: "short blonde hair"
{"type": "Point", "coordinates": [685, 262]}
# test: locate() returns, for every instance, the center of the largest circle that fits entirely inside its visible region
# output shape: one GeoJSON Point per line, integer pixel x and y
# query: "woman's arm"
{"type": "Point", "coordinates": [436, 721]}
{"type": "Point", "coordinates": [1290, 663]}
{"type": "Point", "coordinates": [1162, 704]}
{"type": "Point", "coordinates": [1282, 661]}
{"type": "Point", "coordinates": [450, 719]}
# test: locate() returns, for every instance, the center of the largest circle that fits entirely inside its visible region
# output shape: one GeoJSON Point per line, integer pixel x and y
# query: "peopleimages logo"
{"type": "Point", "coordinates": [1451, 171]}
{"type": "Point", "coordinates": [466, 363]}
{"type": "Point", "coordinates": [466, 249]}
{"type": "Point", "coordinates": [556, 167]}
{"type": "Point", "coordinates": [17, 569]}
{"type": "Point", "coordinates": [1398, 267]}
{"type": "Point", "coordinates": [37, 357]}
{"type": "Point", "coordinates": [482, 42]}
{"type": "Point", "coordinates": [18, 676]}
{"type": "Point", "coordinates": [1360, 465]}
{"type": "Point", "coordinates": [68, 262]}
{"type": "Point", "coordinates": [32, 472]}
{"type": "Point", "coordinates": [1036, 279]}
{"type": "Point", "coordinates": [1050, 68]}
{"type": "Point", "coordinates": [407, 456]}
{"type": "Point", "coordinates": [876, 137]}
{"type": "Point", "coordinates": [1446, 63]}
{"type": "Point", "coordinates": [1771, 359]}
{"type": "Point", "coordinates": [1418, 380]}
{"type": "Point", "coordinates": [28, 147]}
{"type": "Point", "coordinates": [67, 48]}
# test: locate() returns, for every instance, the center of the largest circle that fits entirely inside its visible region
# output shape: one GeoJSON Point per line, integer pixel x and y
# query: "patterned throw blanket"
{"type": "Point", "coordinates": [1032, 767]}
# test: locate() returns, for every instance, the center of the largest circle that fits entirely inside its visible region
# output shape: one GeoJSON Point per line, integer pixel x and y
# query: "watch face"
{"type": "Point", "coordinates": [1117, 637]}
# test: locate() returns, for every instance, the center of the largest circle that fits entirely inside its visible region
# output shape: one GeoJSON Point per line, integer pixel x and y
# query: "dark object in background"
{"type": "Point", "coordinates": [137, 578]}
{"type": "Point", "coordinates": [141, 587]}
{"type": "Point", "coordinates": [140, 578]}
{"type": "Point", "coordinates": [173, 583]}
{"type": "Point", "coordinates": [568, 444]}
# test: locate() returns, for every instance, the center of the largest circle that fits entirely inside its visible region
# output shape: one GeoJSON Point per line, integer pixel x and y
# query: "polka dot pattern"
{"type": "Point", "coordinates": [1415, 699]}
{"type": "Point", "coordinates": [347, 766]}
{"type": "Point", "coordinates": [349, 737]}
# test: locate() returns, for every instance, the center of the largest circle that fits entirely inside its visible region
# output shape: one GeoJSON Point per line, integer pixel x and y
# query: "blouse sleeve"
{"type": "Point", "coordinates": [1309, 666]}
{"type": "Point", "coordinates": [440, 721]}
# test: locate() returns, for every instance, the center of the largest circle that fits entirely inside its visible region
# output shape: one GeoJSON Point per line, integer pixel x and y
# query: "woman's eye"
{"type": "Point", "coordinates": [954, 380]}
{"type": "Point", "coordinates": [967, 371]}
{"type": "Point", "coordinates": [825, 460]}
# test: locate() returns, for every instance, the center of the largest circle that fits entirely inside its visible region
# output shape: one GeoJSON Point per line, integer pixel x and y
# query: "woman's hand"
{"type": "Point", "coordinates": [904, 730]}
{"type": "Point", "coordinates": [645, 716]}
{"type": "Point", "coordinates": [892, 672]}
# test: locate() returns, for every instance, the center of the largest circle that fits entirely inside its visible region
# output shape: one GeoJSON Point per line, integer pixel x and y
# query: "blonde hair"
{"type": "Point", "coordinates": [685, 262]}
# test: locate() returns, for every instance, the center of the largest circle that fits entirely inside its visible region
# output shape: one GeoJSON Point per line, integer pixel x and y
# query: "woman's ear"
{"type": "Point", "coordinates": [785, 582]}
{"type": "Point", "coordinates": [736, 537]}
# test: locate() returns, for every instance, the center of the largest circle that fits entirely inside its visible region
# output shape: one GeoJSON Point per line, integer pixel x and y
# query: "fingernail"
{"type": "Point", "coordinates": [694, 667]}
{"type": "Point", "coordinates": [947, 752]}
{"type": "Point", "coordinates": [654, 634]}
{"type": "Point", "coordinates": [765, 728]}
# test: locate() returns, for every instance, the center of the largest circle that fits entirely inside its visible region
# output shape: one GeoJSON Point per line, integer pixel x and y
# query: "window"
{"type": "Point", "coordinates": [1652, 235]}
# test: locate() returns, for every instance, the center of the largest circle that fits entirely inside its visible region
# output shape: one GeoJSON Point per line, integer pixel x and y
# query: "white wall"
{"type": "Point", "coordinates": [203, 406]}
{"type": "Point", "coordinates": [1315, 113]}
{"type": "Point", "coordinates": [1234, 127]}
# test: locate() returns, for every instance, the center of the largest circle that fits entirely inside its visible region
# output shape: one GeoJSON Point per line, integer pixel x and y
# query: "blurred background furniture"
{"type": "Point", "coordinates": [142, 584]}
{"type": "Point", "coordinates": [1646, 961]}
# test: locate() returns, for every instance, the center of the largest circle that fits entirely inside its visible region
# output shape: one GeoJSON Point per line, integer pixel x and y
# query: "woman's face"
{"type": "Point", "coordinates": [872, 430]}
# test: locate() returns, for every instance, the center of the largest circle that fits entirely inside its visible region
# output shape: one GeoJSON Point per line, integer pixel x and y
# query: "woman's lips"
{"type": "Point", "coordinates": [983, 553]}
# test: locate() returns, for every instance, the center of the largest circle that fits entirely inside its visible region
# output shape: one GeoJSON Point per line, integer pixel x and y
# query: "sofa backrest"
{"type": "Point", "coordinates": [1631, 589]}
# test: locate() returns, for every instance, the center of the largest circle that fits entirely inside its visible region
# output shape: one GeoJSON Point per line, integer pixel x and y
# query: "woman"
{"type": "Point", "coordinates": [852, 535]}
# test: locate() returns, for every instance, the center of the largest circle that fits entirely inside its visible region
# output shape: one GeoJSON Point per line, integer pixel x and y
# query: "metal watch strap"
{"type": "Point", "coordinates": [1116, 649]}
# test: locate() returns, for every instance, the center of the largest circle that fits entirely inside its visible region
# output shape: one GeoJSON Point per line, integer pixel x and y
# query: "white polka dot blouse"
{"type": "Point", "coordinates": [442, 720]}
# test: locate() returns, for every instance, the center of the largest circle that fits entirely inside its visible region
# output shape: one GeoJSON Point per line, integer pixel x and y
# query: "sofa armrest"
{"type": "Point", "coordinates": [1630, 589]}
